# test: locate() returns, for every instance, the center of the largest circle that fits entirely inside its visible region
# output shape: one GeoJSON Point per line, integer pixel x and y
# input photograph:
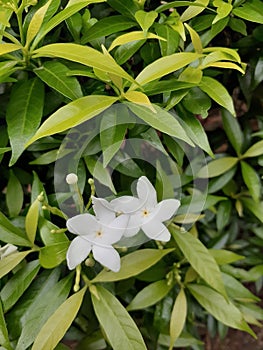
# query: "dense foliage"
{"type": "Point", "coordinates": [114, 91]}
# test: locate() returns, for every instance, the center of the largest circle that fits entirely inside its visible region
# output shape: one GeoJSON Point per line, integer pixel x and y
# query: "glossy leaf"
{"type": "Point", "coordinates": [223, 214]}
{"type": "Point", "coordinates": [161, 120]}
{"type": "Point", "coordinates": [11, 261]}
{"type": "Point", "coordinates": [251, 10]}
{"type": "Point", "coordinates": [4, 339]}
{"type": "Point", "coordinates": [127, 8]}
{"type": "Point", "coordinates": [32, 220]}
{"type": "Point", "coordinates": [132, 264]}
{"type": "Point", "coordinates": [124, 52]}
{"type": "Point", "coordinates": [14, 195]}
{"type": "Point", "coordinates": [233, 130]}
{"type": "Point", "coordinates": [84, 55]}
{"type": "Point", "coordinates": [178, 317]}
{"type": "Point", "coordinates": [252, 180]}
{"type": "Point", "coordinates": [145, 19]}
{"type": "Point", "coordinates": [217, 167]}
{"type": "Point", "coordinates": [48, 233]}
{"type": "Point", "coordinates": [199, 258]}
{"type": "Point", "coordinates": [59, 322]}
{"type": "Point", "coordinates": [223, 10]}
{"type": "Point", "coordinates": [218, 93]}
{"type": "Point", "coordinates": [169, 46]}
{"type": "Point", "coordinates": [223, 310]}
{"type": "Point", "coordinates": [150, 295]}
{"type": "Point", "coordinates": [25, 105]}
{"type": "Point", "coordinates": [254, 207]}
{"type": "Point", "coordinates": [193, 11]}
{"type": "Point", "coordinates": [53, 255]}
{"type": "Point", "coordinates": [133, 36]}
{"type": "Point", "coordinates": [255, 150]}
{"type": "Point", "coordinates": [7, 48]}
{"type": "Point", "coordinates": [139, 98]}
{"type": "Point", "coordinates": [197, 44]}
{"type": "Point", "coordinates": [164, 66]}
{"type": "Point", "coordinates": [11, 234]}
{"type": "Point", "coordinates": [184, 341]}
{"type": "Point", "coordinates": [118, 326]}
{"type": "Point", "coordinates": [17, 284]}
{"type": "Point", "coordinates": [223, 257]}
{"type": "Point", "coordinates": [73, 114]}
{"type": "Point", "coordinates": [161, 86]}
{"type": "Point", "coordinates": [55, 74]}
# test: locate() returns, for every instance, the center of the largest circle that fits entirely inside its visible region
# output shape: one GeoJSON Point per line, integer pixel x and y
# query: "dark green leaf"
{"type": "Point", "coordinates": [252, 180]}
{"type": "Point", "coordinates": [233, 130]}
{"type": "Point", "coordinates": [4, 340]}
{"type": "Point", "coordinates": [126, 8]}
{"type": "Point", "coordinates": [14, 195]}
{"type": "Point", "coordinates": [251, 10]}
{"type": "Point", "coordinates": [11, 234]}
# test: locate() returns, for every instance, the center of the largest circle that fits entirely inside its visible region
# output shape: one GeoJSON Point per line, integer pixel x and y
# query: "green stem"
{"type": "Point", "coordinates": [20, 23]}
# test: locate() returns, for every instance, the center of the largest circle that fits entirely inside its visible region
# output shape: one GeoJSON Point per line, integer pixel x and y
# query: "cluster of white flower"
{"type": "Point", "coordinates": [122, 217]}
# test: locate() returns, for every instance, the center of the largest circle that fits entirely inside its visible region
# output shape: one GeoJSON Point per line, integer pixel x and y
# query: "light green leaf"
{"type": "Point", "coordinates": [223, 257]}
{"type": "Point", "coordinates": [118, 326]}
{"type": "Point", "coordinates": [48, 236]}
{"type": "Point", "coordinates": [55, 74]}
{"type": "Point", "coordinates": [218, 93]}
{"type": "Point", "coordinates": [226, 65]}
{"type": "Point", "coordinates": [14, 195]}
{"type": "Point", "coordinates": [233, 130]}
{"type": "Point", "coordinates": [11, 234]}
{"type": "Point", "coordinates": [178, 317]}
{"type": "Point", "coordinates": [53, 255]}
{"type": "Point", "coordinates": [169, 46]}
{"type": "Point", "coordinates": [133, 36]}
{"type": "Point", "coordinates": [223, 214]}
{"type": "Point", "coordinates": [221, 53]}
{"type": "Point", "coordinates": [5, 149]}
{"type": "Point", "coordinates": [145, 19]}
{"type": "Point", "coordinates": [161, 86]}
{"type": "Point", "coordinates": [36, 23]}
{"type": "Point", "coordinates": [161, 120]}
{"type": "Point", "coordinates": [18, 283]}
{"type": "Point", "coordinates": [139, 98]}
{"type": "Point", "coordinates": [193, 11]}
{"type": "Point", "coordinates": [251, 10]}
{"type": "Point", "coordinates": [84, 55]}
{"type": "Point", "coordinates": [4, 339]}
{"type": "Point", "coordinates": [254, 207]}
{"type": "Point", "coordinates": [132, 264]}
{"type": "Point", "coordinates": [10, 261]}
{"type": "Point", "coordinates": [184, 341]}
{"type": "Point", "coordinates": [252, 180]}
{"type": "Point", "coordinates": [217, 167]}
{"type": "Point", "coordinates": [24, 113]}
{"type": "Point", "coordinates": [223, 10]}
{"type": "Point", "coordinates": [163, 66]}
{"type": "Point", "coordinates": [32, 220]}
{"type": "Point", "coordinates": [149, 295]}
{"type": "Point", "coordinates": [73, 114]}
{"type": "Point", "coordinates": [7, 48]}
{"type": "Point", "coordinates": [197, 44]}
{"type": "Point", "coordinates": [223, 310]}
{"type": "Point", "coordinates": [199, 258]}
{"type": "Point", "coordinates": [255, 150]}
{"type": "Point", "coordinates": [59, 322]}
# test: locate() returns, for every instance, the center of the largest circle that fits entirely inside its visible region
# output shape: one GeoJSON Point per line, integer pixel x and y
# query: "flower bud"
{"type": "Point", "coordinates": [71, 179]}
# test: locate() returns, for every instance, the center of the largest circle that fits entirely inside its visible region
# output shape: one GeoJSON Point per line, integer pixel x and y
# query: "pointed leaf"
{"type": "Point", "coordinates": [53, 255]}
{"type": "Point", "coordinates": [254, 207]}
{"type": "Point", "coordinates": [251, 11]}
{"type": "Point", "coordinates": [133, 36]}
{"type": "Point", "coordinates": [9, 262]}
{"type": "Point", "coordinates": [252, 180]}
{"type": "Point", "coordinates": [178, 317]}
{"type": "Point", "coordinates": [14, 195]}
{"type": "Point", "coordinates": [7, 48]}
{"type": "Point", "coordinates": [199, 258]}
{"type": "Point", "coordinates": [193, 11]}
{"type": "Point", "coordinates": [32, 220]}
{"type": "Point", "coordinates": [255, 150]}
{"type": "Point", "coordinates": [197, 44]}
{"type": "Point", "coordinates": [4, 339]}
{"type": "Point", "coordinates": [145, 19]}
{"type": "Point", "coordinates": [11, 234]}
{"type": "Point", "coordinates": [118, 325]}
{"type": "Point", "coordinates": [57, 325]}
{"type": "Point", "coordinates": [217, 167]}
{"type": "Point", "coordinates": [233, 130]}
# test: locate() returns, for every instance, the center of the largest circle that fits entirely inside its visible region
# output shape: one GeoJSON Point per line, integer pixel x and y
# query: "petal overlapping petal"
{"type": "Point", "coordinates": [133, 225]}
{"type": "Point", "coordinates": [83, 224]}
{"type": "Point", "coordinates": [113, 232]}
{"type": "Point", "coordinates": [78, 251]}
{"type": "Point", "coordinates": [165, 209]}
{"type": "Point", "coordinates": [108, 257]}
{"type": "Point", "coordinates": [103, 210]}
{"type": "Point", "coordinates": [154, 229]}
{"type": "Point", "coordinates": [126, 204]}
{"type": "Point", "coordinates": [146, 192]}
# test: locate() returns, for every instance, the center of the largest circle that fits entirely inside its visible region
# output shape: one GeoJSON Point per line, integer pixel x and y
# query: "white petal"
{"type": "Point", "coordinates": [126, 204]}
{"type": "Point", "coordinates": [113, 232]}
{"type": "Point", "coordinates": [156, 230]}
{"type": "Point", "coordinates": [83, 224]}
{"type": "Point", "coordinates": [165, 209]}
{"type": "Point", "coordinates": [103, 209]}
{"type": "Point", "coordinates": [107, 256]}
{"type": "Point", "coordinates": [146, 192]}
{"type": "Point", "coordinates": [78, 250]}
{"type": "Point", "coordinates": [133, 225]}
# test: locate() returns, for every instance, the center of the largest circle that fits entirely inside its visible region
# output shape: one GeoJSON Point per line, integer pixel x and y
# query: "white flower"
{"type": "Point", "coordinates": [96, 234]}
{"type": "Point", "coordinates": [143, 212]}
{"type": "Point", "coordinates": [7, 250]}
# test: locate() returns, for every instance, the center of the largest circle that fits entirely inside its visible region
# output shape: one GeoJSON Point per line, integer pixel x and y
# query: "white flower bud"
{"type": "Point", "coordinates": [71, 179]}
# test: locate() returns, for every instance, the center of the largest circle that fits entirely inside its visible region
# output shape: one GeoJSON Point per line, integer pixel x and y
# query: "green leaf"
{"type": "Point", "coordinates": [145, 19]}
{"type": "Point", "coordinates": [223, 10]}
{"type": "Point", "coordinates": [178, 317]}
{"type": "Point", "coordinates": [218, 93]}
{"type": "Point", "coordinates": [223, 257]}
{"type": "Point", "coordinates": [36, 23]}
{"type": "Point", "coordinates": [55, 74]}
{"type": "Point", "coordinates": [255, 150]}
{"type": "Point", "coordinates": [59, 322]}
{"type": "Point", "coordinates": [217, 167]}
{"type": "Point", "coordinates": [53, 255]}
{"type": "Point", "coordinates": [251, 10]}
{"type": "Point", "coordinates": [193, 11]}
{"type": "Point", "coordinates": [252, 180]}
{"type": "Point", "coordinates": [199, 258]}
{"type": "Point", "coordinates": [197, 44]}
{"type": "Point", "coordinates": [161, 86]}
{"type": "Point", "coordinates": [223, 214]}
{"type": "Point", "coordinates": [4, 339]}
{"type": "Point", "coordinates": [107, 26]}
{"type": "Point", "coordinates": [73, 114]}
{"type": "Point", "coordinates": [223, 310]}
{"type": "Point", "coordinates": [11, 234]}
{"type": "Point", "coordinates": [84, 55]}
{"type": "Point", "coordinates": [133, 36]}
{"type": "Point", "coordinates": [149, 295]}
{"type": "Point", "coordinates": [197, 102]}
{"type": "Point", "coordinates": [26, 106]}
{"type": "Point", "coordinates": [161, 120]}
{"type": "Point", "coordinates": [9, 262]}
{"type": "Point", "coordinates": [163, 66]}
{"type": "Point", "coordinates": [127, 8]}
{"type": "Point", "coordinates": [184, 341]}
{"type": "Point", "coordinates": [49, 298]}
{"type": "Point", "coordinates": [18, 283]}
{"type": "Point", "coordinates": [32, 220]}
{"type": "Point", "coordinates": [233, 130]}
{"type": "Point", "coordinates": [14, 195]}
{"type": "Point", "coordinates": [238, 25]}
{"type": "Point", "coordinates": [118, 326]}
{"type": "Point", "coordinates": [48, 233]}
{"type": "Point", "coordinates": [254, 207]}
{"type": "Point", "coordinates": [124, 52]}
{"type": "Point", "coordinates": [132, 264]}
{"type": "Point", "coordinates": [7, 48]}
{"type": "Point", "coordinates": [169, 46]}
